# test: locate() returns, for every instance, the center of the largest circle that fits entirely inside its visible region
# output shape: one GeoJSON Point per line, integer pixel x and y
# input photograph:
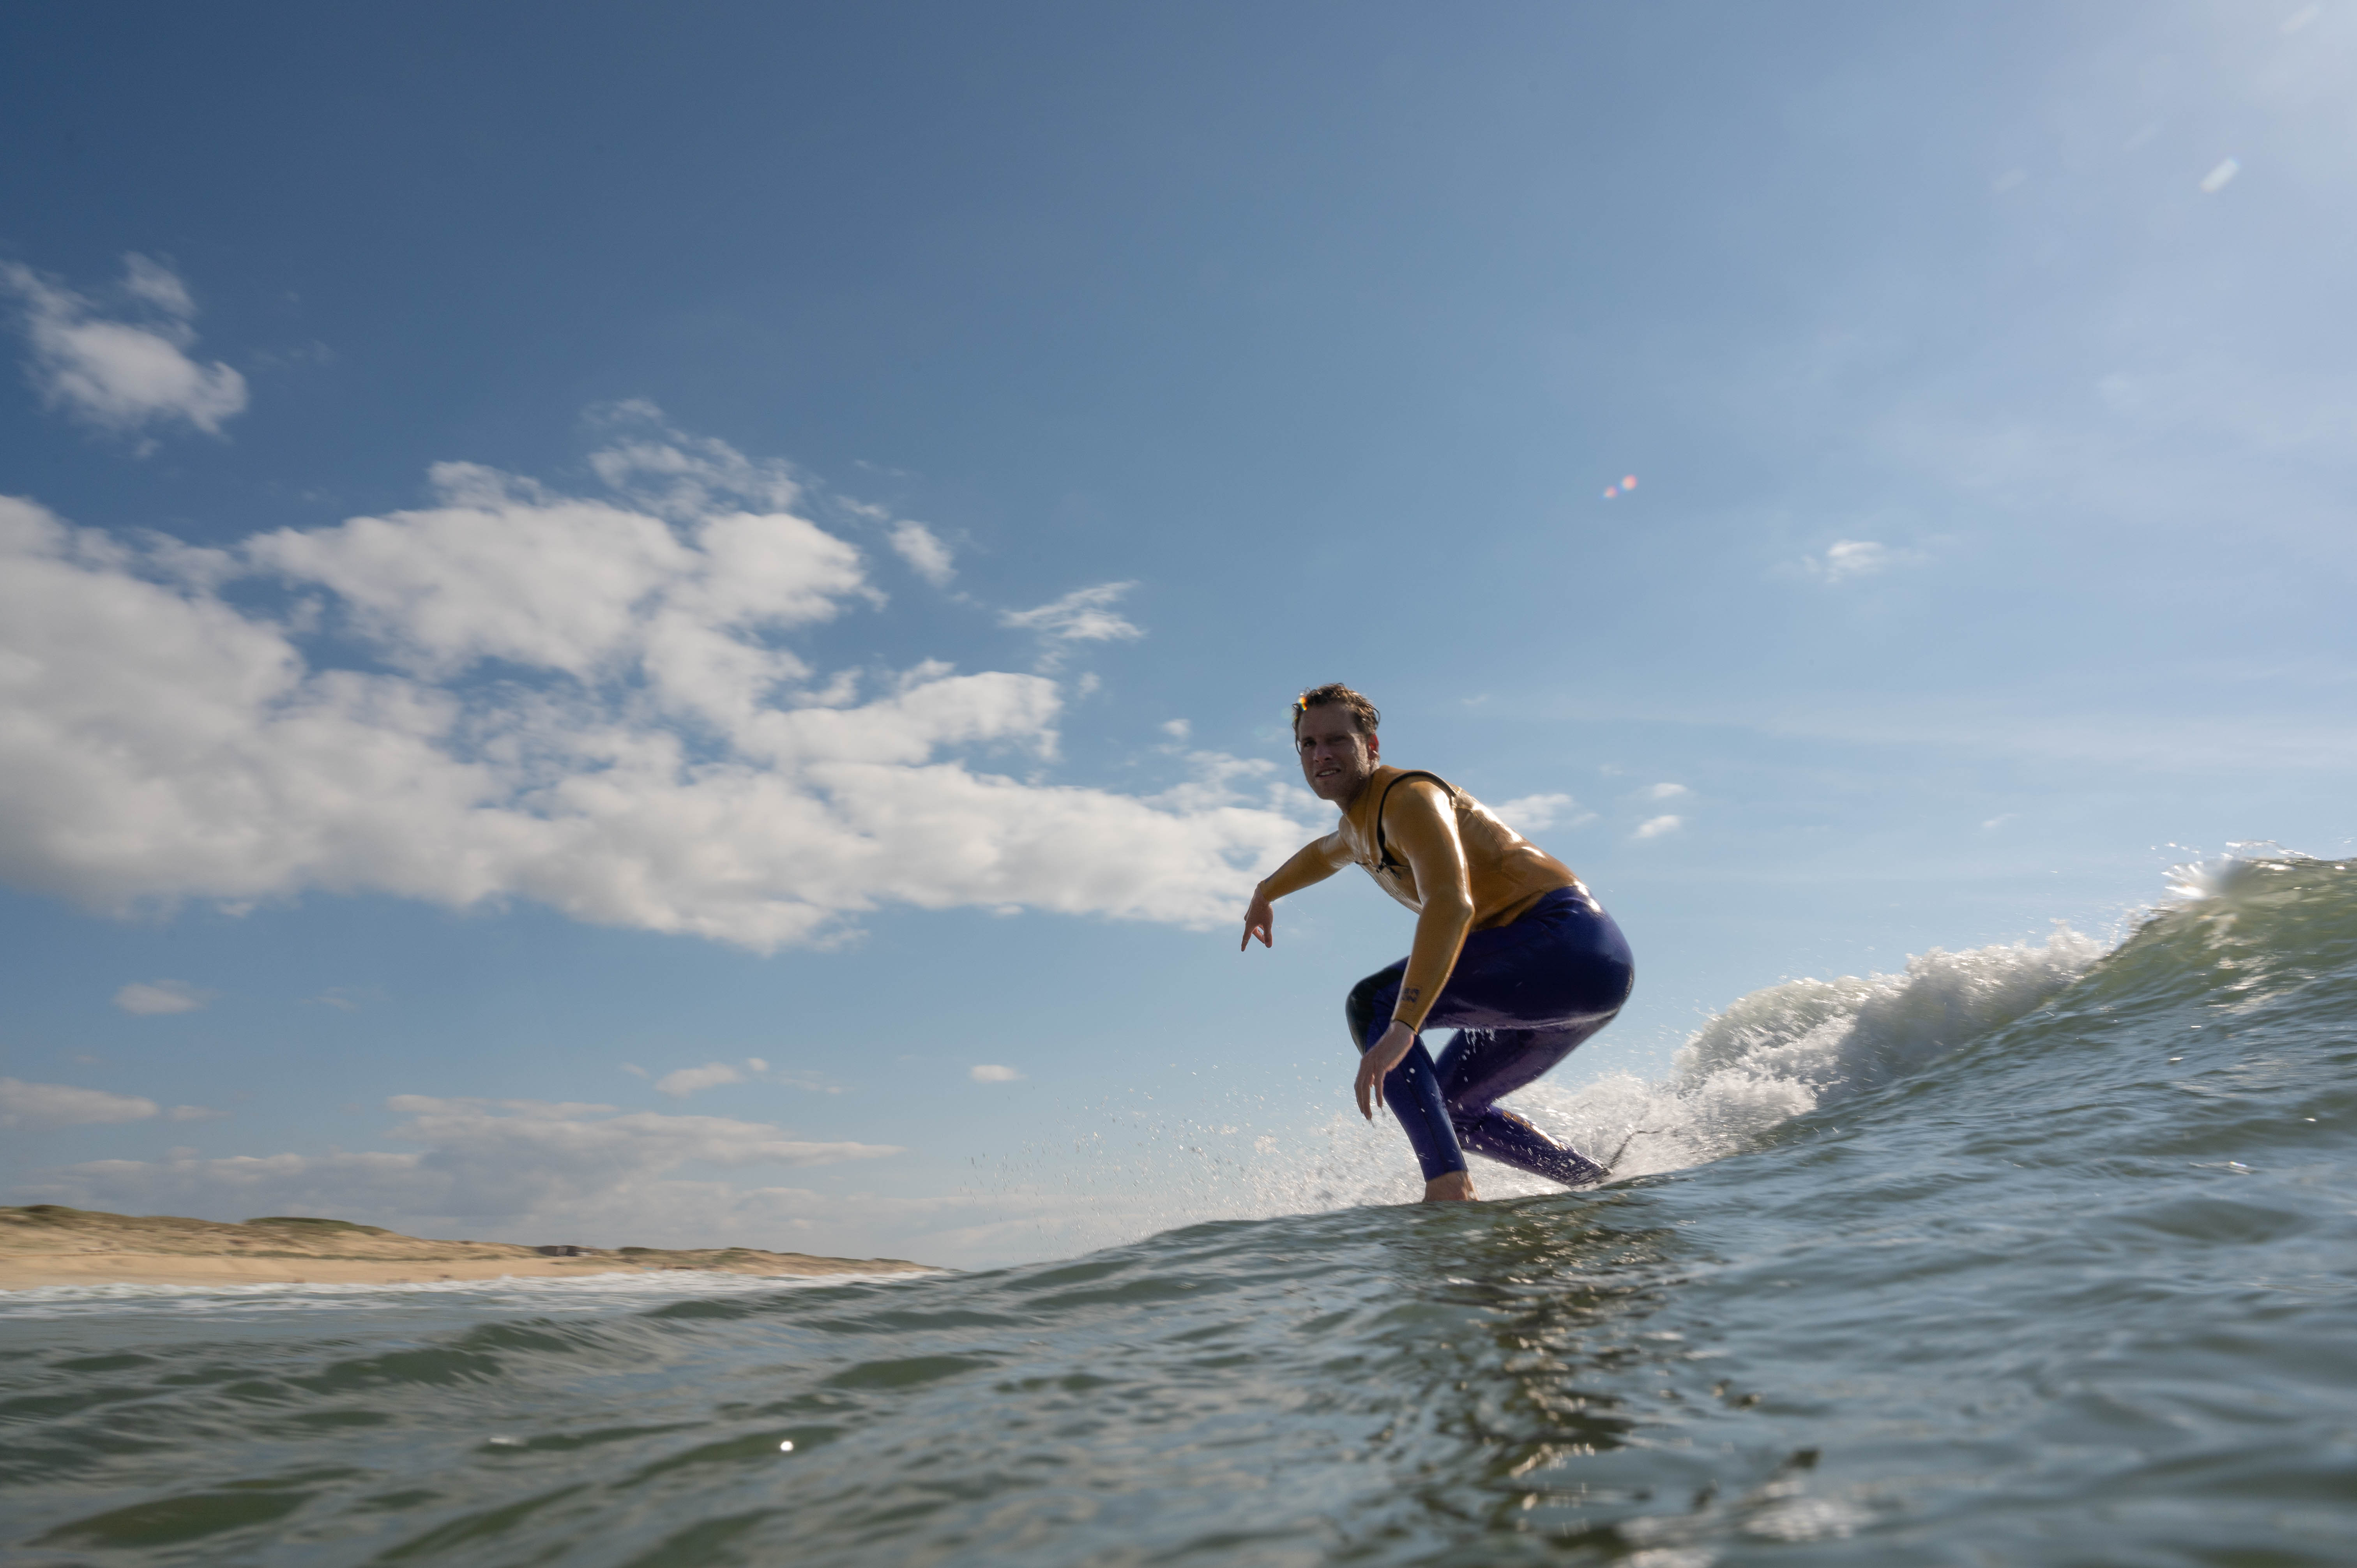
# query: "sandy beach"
{"type": "Point", "coordinates": [50, 1245]}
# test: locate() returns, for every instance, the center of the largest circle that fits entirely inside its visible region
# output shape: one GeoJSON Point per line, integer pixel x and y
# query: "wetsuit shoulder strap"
{"type": "Point", "coordinates": [1382, 851]}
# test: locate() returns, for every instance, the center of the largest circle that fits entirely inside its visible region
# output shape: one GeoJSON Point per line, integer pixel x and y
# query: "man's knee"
{"type": "Point", "coordinates": [1358, 1008]}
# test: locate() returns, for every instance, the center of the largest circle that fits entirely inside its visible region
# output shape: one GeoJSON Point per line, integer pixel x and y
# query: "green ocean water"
{"type": "Point", "coordinates": [2030, 1255]}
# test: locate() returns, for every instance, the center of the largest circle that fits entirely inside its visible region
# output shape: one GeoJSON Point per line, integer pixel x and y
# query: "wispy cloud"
{"type": "Point", "coordinates": [1655, 827]}
{"type": "Point", "coordinates": [475, 1159]}
{"type": "Point", "coordinates": [1085, 615]}
{"type": "Point", "coordinates": [37, 1105]}
{"type": "Point", "coordinates": [922, 549]}
{"type": "Point", "coordinates": [990, 1072]}
{"type": "Point", "coordinates": [118, 374]}
{"type": "Point", "coordinates": [1536, 813]}
{"type": "Point", "coordinates": [1846, 559]}
{"type": "Point", "coordinates": [149, 997]}
{"type": "Point", "coordinates": [687, 1080]}
{"type": "Point", "coordinates": [678, 476]}
{"type": "Point", "coordinates": [1665, 791]}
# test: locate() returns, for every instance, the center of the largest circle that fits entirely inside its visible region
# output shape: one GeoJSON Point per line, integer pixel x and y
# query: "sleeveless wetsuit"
{"type": "Point", "coordinates": [1541, 969]}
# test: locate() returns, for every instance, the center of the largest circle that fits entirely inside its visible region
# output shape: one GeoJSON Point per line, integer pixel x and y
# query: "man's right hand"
{"type": "Point", "coordinates": [1260, 920]}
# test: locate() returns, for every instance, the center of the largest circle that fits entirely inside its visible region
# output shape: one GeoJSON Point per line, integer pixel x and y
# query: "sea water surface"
{"type": "Point", "coordinates": [2038, 1255]}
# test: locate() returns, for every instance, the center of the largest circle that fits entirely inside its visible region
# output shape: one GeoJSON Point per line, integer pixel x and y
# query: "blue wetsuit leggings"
{"type": "Point", "coordinates": [1522, 997]}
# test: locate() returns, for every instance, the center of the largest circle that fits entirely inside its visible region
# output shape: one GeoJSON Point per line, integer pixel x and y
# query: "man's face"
{"type": "Point", "coordinates": [1335, 758]}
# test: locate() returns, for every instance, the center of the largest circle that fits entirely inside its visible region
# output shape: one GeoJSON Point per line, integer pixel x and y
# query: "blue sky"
{"type": "Point", "coordinates": [557, 548]}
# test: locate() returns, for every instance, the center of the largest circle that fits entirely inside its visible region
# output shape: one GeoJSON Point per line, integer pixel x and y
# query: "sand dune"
{"type": "Point", "coordinates": [50, 1245]}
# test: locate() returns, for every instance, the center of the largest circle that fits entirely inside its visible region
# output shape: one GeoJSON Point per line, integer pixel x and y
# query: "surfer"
{"type": "Point", "coordinates": [1510, 950]}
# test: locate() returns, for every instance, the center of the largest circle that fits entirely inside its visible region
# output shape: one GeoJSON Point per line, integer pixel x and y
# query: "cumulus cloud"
{"type": "Point", "coordinates": [1534, 813]}
{"type": "Point", "coordinates": [26, 1104]}
{"type": "Point", "coordinates": [1655, 827]}
{"type": "Point", "coordinates": [584, 701]}
{"type": "Point", "coordinates": [924, 553]}
{"type": "Point", "coordinates": [989, 1072]}
{"type": "Point", "coordinates": [122, 375]}
{"type": "Point", "coordinates": [1085, 615]}
{"type": "Point", "coordinates": [477, 1159]}
{"type": "Point", "coordinates": [147, 997]}
{"type": "Point", "coordinates": [1667, 792]}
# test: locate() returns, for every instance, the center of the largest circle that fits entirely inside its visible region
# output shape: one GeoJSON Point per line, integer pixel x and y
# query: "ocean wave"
{"type": "Point", "coordinates": [2059, 1272]}
{"type": "Point", "coordinates": [1789, 1049]}
{"type": "Point", "coordinates": [623, 1289]}
{"type": "Point", "coordinates": [1777, 1054]}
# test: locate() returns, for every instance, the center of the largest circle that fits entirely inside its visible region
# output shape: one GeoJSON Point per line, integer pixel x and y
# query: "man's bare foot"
{"type": "Point", "coordinates": [1457, 1186]}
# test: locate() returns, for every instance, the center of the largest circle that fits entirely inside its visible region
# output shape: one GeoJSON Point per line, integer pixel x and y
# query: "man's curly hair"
{"type": "Point", "coordinates": [1364, 715]}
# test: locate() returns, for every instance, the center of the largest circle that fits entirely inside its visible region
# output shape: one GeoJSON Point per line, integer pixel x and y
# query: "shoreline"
{"type": "Point", "coordinates": [50, 1245]}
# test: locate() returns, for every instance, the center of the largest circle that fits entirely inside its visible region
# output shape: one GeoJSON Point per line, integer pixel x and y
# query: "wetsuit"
{"type": "Point", "coordinates": [1522, 997]}
{"type": "Point", "coordinates": [1510, 950]}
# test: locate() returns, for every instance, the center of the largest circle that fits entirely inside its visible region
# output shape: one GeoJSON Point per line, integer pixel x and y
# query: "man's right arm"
{"type": "Point", "coordinates": [1312, 863]}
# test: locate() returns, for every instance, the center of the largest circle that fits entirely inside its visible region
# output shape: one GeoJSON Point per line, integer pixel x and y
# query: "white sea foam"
{"type": "Point", "coordinates": [1786, 1050]}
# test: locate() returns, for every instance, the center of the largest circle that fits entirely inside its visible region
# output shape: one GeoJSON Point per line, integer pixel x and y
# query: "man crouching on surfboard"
{"type": "Point", "coordinates": [1510, 950]}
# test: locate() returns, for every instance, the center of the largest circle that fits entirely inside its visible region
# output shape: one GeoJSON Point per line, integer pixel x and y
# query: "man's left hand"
{"type": "Point", "coordinates": [1380, 1059]}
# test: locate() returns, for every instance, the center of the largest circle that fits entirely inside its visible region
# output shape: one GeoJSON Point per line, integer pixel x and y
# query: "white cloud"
{"type": "Point", "coordinates": [1177, 729]}
{"type": "Point", "coordinates": [122, 375]}
{"type": "Point", "coordinates": [26, 1104]}
{"type": "Point", "coordinates": [1536, 813]}
{"type": "Point", "coordinates": [571, 701]}
{"type": "Point", "coordinates": [147, 997]}
{"type": "Point", "coordinates": [480, 1159]}
{"type": "Point", "coordinates": [1667, 792]}
{"type": "Point", "coordinates": [678, 476]}
{"type": "Point", "coordinates": [989, 1072]}
{"type": "Point", "coordinates": [686, 1081]}
{"type": "Point", "coordinates": [1848, 558]}
{"type": "Point", "coordinates": [1085, 615]}
{"type": "Point", "coordinates": [1655, 827]}
{"type": "Point", "coordinates": [2220, 177]}
{"type": "Point", "coordinates": [924, 552]}
{"type": "Point", "coordinates": [157, 286]}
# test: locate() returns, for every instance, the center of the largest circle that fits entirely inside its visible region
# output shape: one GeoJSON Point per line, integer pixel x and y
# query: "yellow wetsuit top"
{"type": "Point", "coordinates": [1441, 853]}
